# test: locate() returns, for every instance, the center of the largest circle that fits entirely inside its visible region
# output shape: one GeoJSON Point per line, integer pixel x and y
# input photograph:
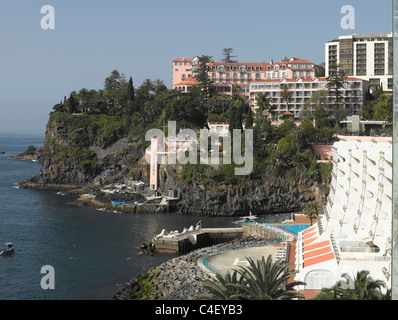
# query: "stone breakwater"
{"type": "Point", "coordinates": [181, 278]}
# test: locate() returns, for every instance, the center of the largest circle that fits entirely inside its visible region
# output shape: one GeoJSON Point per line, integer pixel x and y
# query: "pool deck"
{"type": "Point", "coordinates": [232, 259]}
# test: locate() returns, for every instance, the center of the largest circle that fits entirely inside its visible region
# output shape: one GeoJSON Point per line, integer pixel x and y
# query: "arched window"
{"type": "Point", "coordinates": [318, 279]}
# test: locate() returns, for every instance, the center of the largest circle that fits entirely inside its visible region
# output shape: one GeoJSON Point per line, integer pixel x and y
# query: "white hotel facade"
{"type": "Point", "coordinates": [355, 232]}
{"type": "Point", "coordinates": [368, 56]}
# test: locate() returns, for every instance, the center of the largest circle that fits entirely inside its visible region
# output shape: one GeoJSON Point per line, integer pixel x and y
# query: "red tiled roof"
{"type": "Point", "coordinates": [182, 60]}
{"type": "Point", "coordinates": [187, 82]}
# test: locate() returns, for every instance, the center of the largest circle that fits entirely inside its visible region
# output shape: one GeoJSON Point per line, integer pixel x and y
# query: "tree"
{"type": "Point", "coordinates": [114, 86]}
{"type": "Point", "coordinates": [335, 82]}
{"type": "Point", "coordinates": [311, 211]}
{"type": "Point", "coordinates": [72, 104]}
{"type": "Point", "coordinates": [130, 98]}
{"type": "Point", "coordinates": [362, 287]}
{"type": "Point", "coordinates": [383, 108]}
{"type": "Point", "coordinates": [227, 52]}
{"type": "Point", "coordinates": [224, 288]}
{"type": "Point", "coordinates": [286, 95]}
{"type": "Point", "coordinates": [186, 108]}
{"type": "Point", "coordinates": [236, 109]}
{"type": "Point", "coordinates": [319, 70]}
{"type": "Point", "coordinates": [130, 90]}
{"type": "Point", "coordinates": [115, 81]}
{"type": "Point", "coordinates": [205, 84]}
{"type": "Point", "coordinates": [298, 134]}
{"type": "Point", "coordinates": [262, 280]}
{"type": "Point", "coordinates": [249, 118]}
{"type": "Point", "coordinates": [277, 163]}
{"type": "Point", "coordinates": [263, 103]}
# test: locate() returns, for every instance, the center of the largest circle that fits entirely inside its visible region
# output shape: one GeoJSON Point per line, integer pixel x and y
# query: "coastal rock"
{"type": "Point", "coordinates": [181, 278]}
{"type": "Point", "coordinates": [31, 154]}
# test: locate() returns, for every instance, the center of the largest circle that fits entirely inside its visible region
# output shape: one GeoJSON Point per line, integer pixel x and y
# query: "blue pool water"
{"type": "Point", "coordinates": [294, 228]}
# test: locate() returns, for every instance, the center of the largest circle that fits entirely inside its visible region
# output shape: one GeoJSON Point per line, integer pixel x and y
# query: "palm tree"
{"type": "Point", "coordinates": [298, 134]}
{"type": "Point", "coordinates": [362, 287]}
{"type": "Point", "coordinates": [267, 280]}
{"type": "Point", "coordinates": [311, 211]}
{"type": "Point", "coordinates": [224, 288]}
{"type": "Point", "coordinates": [277, 163]}
{"type": "Point", "coordinates": [263, 103]}
{"type": "Point", "coordinates": [262, 280]}
{"type": "Point", "coordinates": [286, 95]}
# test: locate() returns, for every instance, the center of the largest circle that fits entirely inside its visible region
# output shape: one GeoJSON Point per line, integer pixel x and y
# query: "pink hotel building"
{"type": "Point", "coordinates": [250, 79]}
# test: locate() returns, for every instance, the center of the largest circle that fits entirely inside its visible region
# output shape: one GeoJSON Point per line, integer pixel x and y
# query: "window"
{"type": "Point", "coordinates": [318, 279]}
{"type": "Point", "coordinates": [242, 68]}
{"type": "Point", "coordinates": [276, 68]}
{"type": "Point", "coordinates": [308, 74]}
{"type": "Point", "coordinates": [294, 74]}
{"type": "Point", "coordinates": [258, 76]}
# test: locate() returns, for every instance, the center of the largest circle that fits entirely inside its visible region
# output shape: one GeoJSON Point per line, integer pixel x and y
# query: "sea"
{"type": "Point", "coordinates": [64, 251]}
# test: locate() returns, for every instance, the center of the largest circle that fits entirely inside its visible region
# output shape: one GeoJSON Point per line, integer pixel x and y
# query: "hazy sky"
{"type": "Point", "coordinates": [141, 38]}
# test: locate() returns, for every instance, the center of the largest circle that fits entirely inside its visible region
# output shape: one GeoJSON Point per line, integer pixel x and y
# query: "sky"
{"type": "Point", "coordinates": [39, 67]}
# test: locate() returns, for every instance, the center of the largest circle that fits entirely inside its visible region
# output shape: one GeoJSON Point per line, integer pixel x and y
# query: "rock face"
{"type": "Point", "coordinates": [259, 198]}
{"type": "Point", "coordinates": [79, 161]}
{"type": "Point", "coordinates": [72, 156]}
{"type": "Point", "coordinates": [31, 154]}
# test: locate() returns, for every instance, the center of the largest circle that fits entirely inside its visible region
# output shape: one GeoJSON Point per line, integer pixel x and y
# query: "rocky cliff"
{"type": "Point", "coordinates": [82, 151]}
{"type": "Point", "coordinates": [75, 155]}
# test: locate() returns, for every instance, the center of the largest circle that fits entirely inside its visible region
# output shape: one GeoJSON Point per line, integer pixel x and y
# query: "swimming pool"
{"type": "Point", "coordinates": [294, 228]}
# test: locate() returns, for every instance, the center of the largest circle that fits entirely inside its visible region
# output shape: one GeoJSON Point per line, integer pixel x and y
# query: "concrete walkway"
{"type": "Point", "coordinates": [233, 259]}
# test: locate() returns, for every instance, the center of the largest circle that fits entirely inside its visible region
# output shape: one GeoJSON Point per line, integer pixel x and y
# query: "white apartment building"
{"type": "Point", "coordinates": [355, 232]}
{"type": "Point", "coordinates": [368, 56]}
{"type": "Point", "coordinates": [353, 93]}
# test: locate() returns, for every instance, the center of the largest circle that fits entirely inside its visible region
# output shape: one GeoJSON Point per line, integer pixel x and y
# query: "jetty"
{"type": "Point", "coordinates": [194, 238]}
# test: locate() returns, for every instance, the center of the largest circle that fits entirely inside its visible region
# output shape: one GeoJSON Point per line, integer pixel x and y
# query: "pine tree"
{"type": "Point", "coordinates": [130, 90]}
{"type": "Point", "coordinates": [72, 104]}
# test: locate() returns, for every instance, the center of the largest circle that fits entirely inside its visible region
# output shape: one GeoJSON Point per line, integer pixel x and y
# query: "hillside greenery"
{"type": "Point", "coordinates": [120, 109]}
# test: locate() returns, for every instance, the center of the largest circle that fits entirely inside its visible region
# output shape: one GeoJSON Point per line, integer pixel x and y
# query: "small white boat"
{"type": "Point", "coordinates": [10, 249]}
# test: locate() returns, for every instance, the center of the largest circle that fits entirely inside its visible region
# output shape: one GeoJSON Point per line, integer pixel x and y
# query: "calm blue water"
{"type": "Point", "coordinates": [92, 252]}
{"type": "Point", "coordinates": [294, 228]}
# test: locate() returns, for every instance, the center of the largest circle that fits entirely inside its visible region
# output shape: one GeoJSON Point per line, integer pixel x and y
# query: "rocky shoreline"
{"type": "Point", "coordinates": [180, 278]}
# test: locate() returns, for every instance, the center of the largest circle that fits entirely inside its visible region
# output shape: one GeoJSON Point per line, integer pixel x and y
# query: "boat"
{"type": "Point", "coordinates": [10, 249]}
{"type": "Point", "coordinates": [249, 218]}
